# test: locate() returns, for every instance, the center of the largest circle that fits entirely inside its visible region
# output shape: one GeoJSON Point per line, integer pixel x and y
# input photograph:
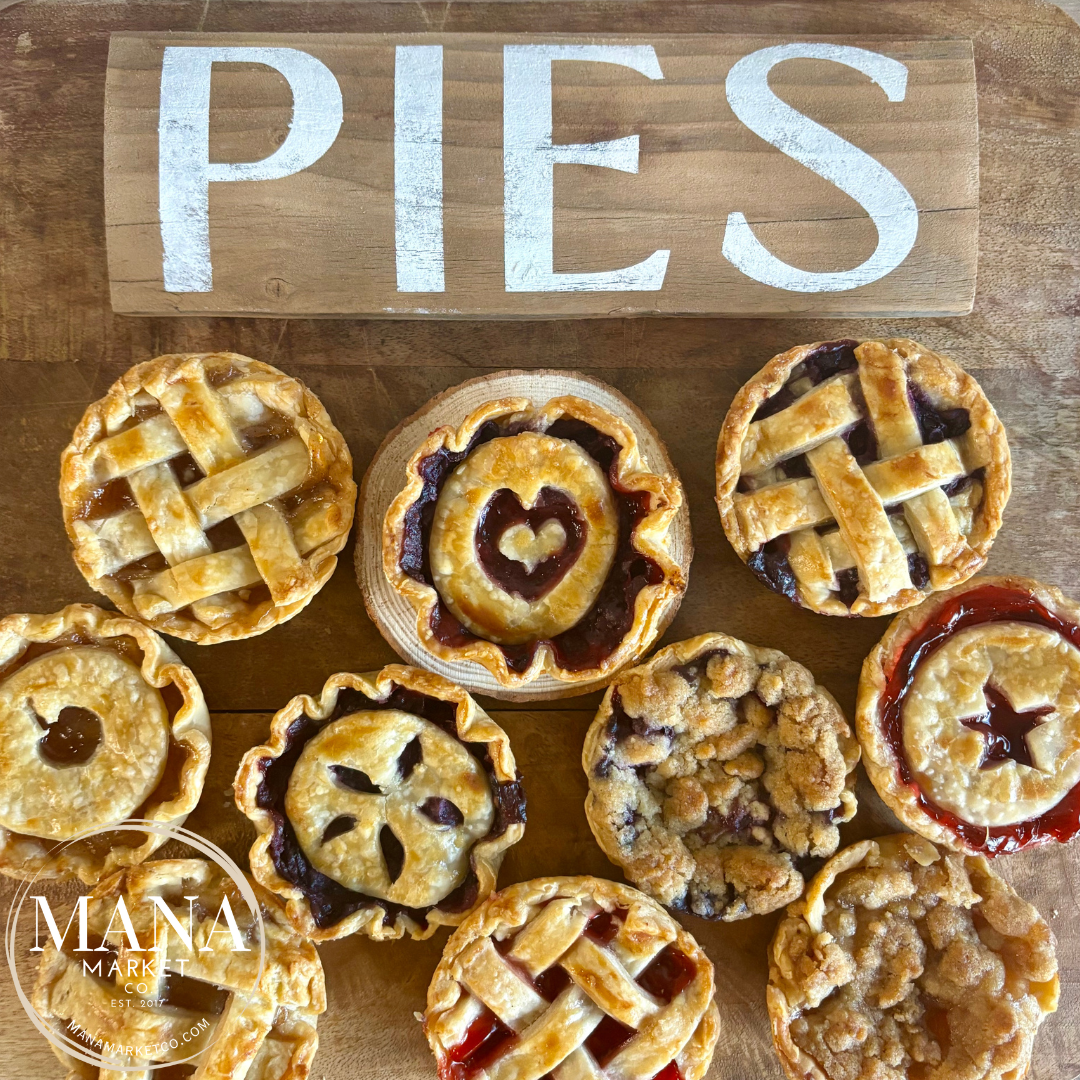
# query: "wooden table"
{"type": "Point", "coordinates": [61, 346]}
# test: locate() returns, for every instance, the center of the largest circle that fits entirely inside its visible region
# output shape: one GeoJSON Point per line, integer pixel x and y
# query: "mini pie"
{"type": "Point", "coordinates": [715, 770]}
{"type": "Point", "coordinates": [99, 722]}
{"type": "Point", "coordinates": [856, 477]}
{"type": "Point", "coordinates": [207, 494]}
{"type": "Point", "coordinates": [572, 977]}
{"type": "Point", "coordinates": [907, 962]}
{"type": "Point", "coordinates": [534, 539]}
{"type": "Point", "coordinates": [260, 1028]}
{"type": "Point", "coordinates": [969, 716]}
{"type": "Point", "coordinates": [386, 806]}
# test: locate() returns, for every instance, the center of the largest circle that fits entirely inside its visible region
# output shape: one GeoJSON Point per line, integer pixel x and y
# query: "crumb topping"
{"type": "Point", "coordinates": [713, 769]}
{"type": "Point", "coordinates": [911, 963]}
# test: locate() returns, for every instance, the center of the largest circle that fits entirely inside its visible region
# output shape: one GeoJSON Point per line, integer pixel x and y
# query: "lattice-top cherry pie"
{"type": "Point", "coordinates": [386, 806]}
{"type": "Point", "coordinates": [969, 716]}
{"type": "Point", "coordinates": [534, 539]}
{"type": "Point", "coordinates": [205, 1011]}
{"type": "Point", "coordinates": [207, 494]}
{"type": "Point", "coordinates": [855, 477]}
{"type": "Point", "coordinates": [908, 962]}
{"type": "Point", "coordinates": [572, 978]}
{"type": "Point", "coordinates": [99, 722]}
{"type": "Point", "coordinates": [715, 770]}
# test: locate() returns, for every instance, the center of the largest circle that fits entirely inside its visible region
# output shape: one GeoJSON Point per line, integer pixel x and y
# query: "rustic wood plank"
{"type": "Point", "coordinates": [53, 285]}
{"type": "Point", "coordinates": [321, 241]}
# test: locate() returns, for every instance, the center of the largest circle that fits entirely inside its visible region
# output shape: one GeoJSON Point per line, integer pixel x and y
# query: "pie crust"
{"type": "Point", "coordinates": [969, 716]}
{"type": "Point", "coordinates": [207, 494]}
{"type": "Point", "coordinates": [907, 962]}
{"type": "Point", "coordinates": [572, 977]}
{"type": "Point", "coordinates": [386, 806]}
{"type": "Point", "coordinates": [715, 770]}
{"type": "Point", "coordinates": [856, 477]}
{"type": "Point", "coordinates": [126, 735]}
{"type": "Point", "coordinates": [533, 539]}
{"type": "Point", "coordinates": [261, 1028]}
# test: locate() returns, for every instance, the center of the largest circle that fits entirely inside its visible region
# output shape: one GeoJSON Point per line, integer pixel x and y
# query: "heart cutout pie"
{"type": "Point", "coordinates": [517, 546]}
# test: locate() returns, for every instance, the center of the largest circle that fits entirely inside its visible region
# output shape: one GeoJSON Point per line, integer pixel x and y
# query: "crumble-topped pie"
{"type": "Point", "coordinates": [969, 716]}
{"type": "Point", "coordinates": [386, 806]}
{"type": "Point", "coordinates": [99, 722]}
{"type": "Point", "coordinates": [207, 494]}
{"type": "Point", "coordinates": [854, 477]}
{"type": "Point", "coordinates": [210, 1010]}
{"type": "Point", "coordinates": [534, 539]}
{"type": "Point", "coordinates": [908, 962]}
{"type": "Point", "coordinates": [572, 977]}
{"type": "Point", "coordinates": [714, 770]}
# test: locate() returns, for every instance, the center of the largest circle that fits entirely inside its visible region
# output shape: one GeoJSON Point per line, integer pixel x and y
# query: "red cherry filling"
{"type": "Point", "coordinates": [986, 604]}
{"type": "Point", "coordinates": [488, 1038]}
{"type": "Point", "coordinates": [503, 512]}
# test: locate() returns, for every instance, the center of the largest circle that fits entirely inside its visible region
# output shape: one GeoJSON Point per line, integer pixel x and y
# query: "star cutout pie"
{"type": "Point", "coordinates": [1005, 729]}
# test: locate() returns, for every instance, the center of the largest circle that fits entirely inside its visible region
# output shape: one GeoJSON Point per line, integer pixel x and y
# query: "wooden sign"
{"type": "Point", "coordinates": [492, 175]}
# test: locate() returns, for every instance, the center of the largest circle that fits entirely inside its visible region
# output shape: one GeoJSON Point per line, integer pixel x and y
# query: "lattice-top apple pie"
{"type": "Point", "coordinates": [535, 539]}
{"type": "Point", "coordinates": [99, 722]}
{"type": "Point", "coordinates": [572, 977]}
{"type": "Point", "coordinates": [384, 807]}
{"type": "Point", "coordinates": [207, 494]}
{"type": "Point", "coordinates": [856, 477]}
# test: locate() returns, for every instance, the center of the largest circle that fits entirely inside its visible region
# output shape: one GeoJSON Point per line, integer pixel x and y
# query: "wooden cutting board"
{"type": "Point", "coordinates": [61, 346]}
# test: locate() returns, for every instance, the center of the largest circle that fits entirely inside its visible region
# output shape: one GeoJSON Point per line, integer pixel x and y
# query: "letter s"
{"type": "Point", "coordinates": [854, 172]}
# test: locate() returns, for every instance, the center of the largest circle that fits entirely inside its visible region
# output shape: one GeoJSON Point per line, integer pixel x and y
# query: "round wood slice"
{"type": "Point", "coordinates": [385, 477]}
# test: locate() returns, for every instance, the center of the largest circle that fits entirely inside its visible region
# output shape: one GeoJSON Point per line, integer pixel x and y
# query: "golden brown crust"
{"type": "Point", "coordinates": [735, 765]}
{"type": "Point", "coordinates": [654, 605]}
{"type": "Point", "coordinates": [267, 1029]}
{"type": "Point", "coordinates": [904, 959]}
{"type": "Point", "coordinates": [85, 626]}
{"type": "Point", "coordinates": [297, 546]}
{"type": "Point", "coordinates": [985, 447]}
{"type": "Point", "coordinates": [879, 757]}
{"type": "Point", "coordinates": [684, 1030]}
{"type": "Point", "coordinates": [473, 726]}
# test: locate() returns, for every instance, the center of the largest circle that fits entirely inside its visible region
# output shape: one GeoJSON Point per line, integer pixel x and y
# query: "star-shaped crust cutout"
{"type": "Point", "coordinates": [1005, 729]}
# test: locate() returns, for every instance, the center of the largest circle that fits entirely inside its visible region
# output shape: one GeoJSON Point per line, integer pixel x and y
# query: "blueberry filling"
{"type": "Point", "coordinates": [621, 725]}
{"type": "Point", "coordinates": [828, 359]}
{"type": "Point", "coordinates": [771, 567]}
{"type": "Point", "coordinates": [847, 585]}
{"type": "Point", "coordinates": [329, 901]}
{"type": "Point", "coordinates": [937, 425]}
{"type": "Point", "coordinates": [603, 627]}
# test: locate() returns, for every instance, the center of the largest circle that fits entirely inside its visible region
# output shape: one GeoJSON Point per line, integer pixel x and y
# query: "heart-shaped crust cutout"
{"type": "Point", "coordinates": [528, 552]}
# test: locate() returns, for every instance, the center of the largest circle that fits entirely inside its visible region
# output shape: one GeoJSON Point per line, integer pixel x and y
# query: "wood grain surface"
{"type": "Point", "coordinates": [321, 241]}
{"type": "Point", "coordinates": [61, 346]}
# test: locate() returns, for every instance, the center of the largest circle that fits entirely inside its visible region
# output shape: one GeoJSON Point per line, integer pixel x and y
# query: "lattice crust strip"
{"type": "Point", "coordinates": [244, 1014]}
{"type": "Point", "coordinates": [551, 1036]}
{"type": "Point", "coordinates": [256, 436]}
{"type": "Point", "coordinates": [910, 504]}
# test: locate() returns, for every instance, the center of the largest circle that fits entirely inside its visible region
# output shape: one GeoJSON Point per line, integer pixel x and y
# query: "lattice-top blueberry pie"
{"type": "Point", "coordinates": [534, 539]}
{"type": "Point", "coordinates": [969, 716]}
{"type": "Point", "coordinates": [207, 494]}
{"type": "Point", "coordinates": [386, 806]}
{"type": "Point", "coordinates": [907, 962]}
{"type": "Point", "coordinates": [855, 477]}
{"type": "Point", "coordinates": [99, 722]}
{"type": "Point", "coordinates": [715, 770]}
{"type": "Point", "coordinates": [572, 978]}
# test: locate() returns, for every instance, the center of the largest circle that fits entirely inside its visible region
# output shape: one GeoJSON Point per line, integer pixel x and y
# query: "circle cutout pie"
{"type": "Point", "coordinates": [574, 974]}
{"type": "Point", "coordinates": [534, 539]}
{"type": "Point", "coordinates": [855, 478]}
{"type": "Point", "coordinates": [207, 494]}
{"type": "Point", "coordinates": [99, 722]}
{"type": "Point", "coordinates": [213, 1002]}
{"type": "Point", "coordinates": [969, 716]}
{"type": "Point", "coordinates": [716, 769]}
{"type": "Point", "coordinates": [907, 960]}
{"type": "Point", "coordinates": [383, 807]}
